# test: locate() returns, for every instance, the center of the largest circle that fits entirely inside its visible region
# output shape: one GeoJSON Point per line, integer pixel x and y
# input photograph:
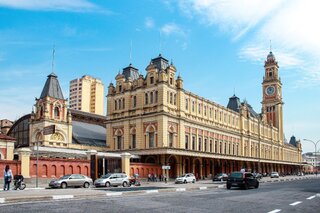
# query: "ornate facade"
{"type": "Point", "coordinates": [154, 117]}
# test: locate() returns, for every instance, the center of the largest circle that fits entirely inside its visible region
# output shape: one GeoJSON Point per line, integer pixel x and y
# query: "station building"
{"type": "Point", "coordinates": [154, 117]}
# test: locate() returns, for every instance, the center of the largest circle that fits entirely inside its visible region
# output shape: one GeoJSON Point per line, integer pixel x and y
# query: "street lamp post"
{"type": "Point", "coordinates": [315, 152]}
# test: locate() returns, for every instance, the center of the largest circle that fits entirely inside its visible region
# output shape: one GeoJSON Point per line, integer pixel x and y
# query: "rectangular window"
{"type": "Point", "coordinates": [151, 139]}
{"type": "Point", "coordinates": [187, 142]}
{"type": "Point", "coordinates": [133, 141]}
{"type": "Point", "coordinates": [193, 142]}
{"type": "Point", "coordinates": [200, 144]}
{"type": "Point", "coordinates": [187, 104]}
{"type": "Point", "coordinates": [156, 96]}
{"type": "Point", "coordinates": [171, 98]}
{"type": "Point", "coordinates": [199, 108]}
{"type": "Point", "coordinates": [146, 98]}
{"type": "Point", "coordinates": [151, 80]}
{"type": "Point", "coordinates": [134, 101]}
{"type": "Point", "coordinates": [205, 145]}
{"type": "Point", "coordinates": [175, 99]}
{"type": "Point", "coordinates": [210, 145]}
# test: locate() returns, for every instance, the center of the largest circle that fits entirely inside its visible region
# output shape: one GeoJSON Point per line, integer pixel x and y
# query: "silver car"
{"type": "Point", "coordinates": [112, 179]}
{"type": "Point", "coordinates": [73, 180]}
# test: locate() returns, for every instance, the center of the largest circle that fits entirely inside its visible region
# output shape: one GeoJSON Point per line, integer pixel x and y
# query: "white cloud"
{"type": "Point", "coordinates": [172, 28]}
{"type": "Point", "coordinates": [292, 25]}
{"type": "Point", "coordinates": [49, 5]}
{"type": "Point", "coordinates": [149, 22]}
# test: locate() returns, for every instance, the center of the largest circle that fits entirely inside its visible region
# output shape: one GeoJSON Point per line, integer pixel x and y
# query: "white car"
{"type": "Point", "coordinates": [274, 175]}
{"type": "Point", "coordinates": [112, 179]}
{"type": "Point", "coordinates": [186, 178]}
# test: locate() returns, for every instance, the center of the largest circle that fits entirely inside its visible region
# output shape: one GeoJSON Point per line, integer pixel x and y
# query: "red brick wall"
{"type": "Point", "coordinates": [56, 167]}
{"type": "Point", "coordinates": [14, 165]}
{"type": "Point", "coordinates": [143, 169]}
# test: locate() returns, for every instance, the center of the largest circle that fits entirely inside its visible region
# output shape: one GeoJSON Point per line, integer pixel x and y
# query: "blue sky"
{"type": "Point", "coordinates": [217, 46]}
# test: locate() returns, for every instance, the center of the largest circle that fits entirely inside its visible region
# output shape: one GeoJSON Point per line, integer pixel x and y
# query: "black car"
{"type": "Point", "coordinates": [220, 177]}
{"type": "Point", "coordinates": [239, 179]}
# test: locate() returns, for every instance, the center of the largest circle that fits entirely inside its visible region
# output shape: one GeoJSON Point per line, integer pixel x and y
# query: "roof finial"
{"type": "Point", "coordinates": [52, 65]}
{"type": "Point", "coordinates": [270, 46]}
{"type": "Point", "coordinates": [234, 91]}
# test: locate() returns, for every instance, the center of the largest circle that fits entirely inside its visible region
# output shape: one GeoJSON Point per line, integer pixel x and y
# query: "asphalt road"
{"type": "Point", "coordinates": [294, 196]}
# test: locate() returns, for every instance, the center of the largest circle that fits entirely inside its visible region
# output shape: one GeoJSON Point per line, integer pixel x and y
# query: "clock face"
{"type": "Point", "coordinates": [270, 90]}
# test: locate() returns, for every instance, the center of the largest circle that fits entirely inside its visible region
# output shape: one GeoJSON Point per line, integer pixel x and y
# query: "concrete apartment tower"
{"type": "Point", "coordinates": [87, 94]}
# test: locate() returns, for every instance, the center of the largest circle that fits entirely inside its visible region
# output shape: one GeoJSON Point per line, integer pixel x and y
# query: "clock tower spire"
{"type": "Point", "coordinates": [272, 94]}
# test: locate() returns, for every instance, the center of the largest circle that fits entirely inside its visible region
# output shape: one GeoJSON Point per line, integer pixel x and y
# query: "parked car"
{"type": "Point", "coordinates": [258, 176]}
{"type": "Point", "coordinates": [220, 177]}
{"type": "Point", "coordinates": [73, 180]}
{"type": "Point", "coordinates": [186, 178]}
{"type": "Point", "coordinates": [239, 179]}
{"type": "Point", "coordinates": [274, 175]}
{"type": "Point", "coordinates": [113, 179]}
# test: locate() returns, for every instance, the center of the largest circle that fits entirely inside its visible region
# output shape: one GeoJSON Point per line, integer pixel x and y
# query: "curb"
{"type": "Point", "coordinates": [117, 194]}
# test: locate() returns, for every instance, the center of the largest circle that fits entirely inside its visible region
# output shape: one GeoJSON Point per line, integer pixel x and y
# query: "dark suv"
{"type": "Point", "coordinates": [239, 179]}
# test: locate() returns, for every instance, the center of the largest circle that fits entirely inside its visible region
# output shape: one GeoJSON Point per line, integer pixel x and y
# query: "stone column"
{"type": "Point", "coordinates": [125, 162]}
{"type": "Point", "coordinates": [24, 156]}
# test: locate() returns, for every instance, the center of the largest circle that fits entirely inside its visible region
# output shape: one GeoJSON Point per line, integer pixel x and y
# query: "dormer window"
{"type": "Point", "coordinates": [151, 80]}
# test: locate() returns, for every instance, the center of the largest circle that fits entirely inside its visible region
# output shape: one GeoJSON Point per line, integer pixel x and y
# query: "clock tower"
{"type": "Point", "coordinates": [272, 94]}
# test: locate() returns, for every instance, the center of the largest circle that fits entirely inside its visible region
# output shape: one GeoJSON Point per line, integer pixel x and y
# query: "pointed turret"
{"type": "Point", "coordinates": [52, 88]}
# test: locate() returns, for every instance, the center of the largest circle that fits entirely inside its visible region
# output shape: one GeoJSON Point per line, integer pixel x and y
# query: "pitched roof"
{"type": "Point", "coordinates": [52, 88]}
{"type": "Point", "coordinates": [160, 62]}
{"type": "Point", "coordinates": [6, 137]}
{"type": "Point", "coordinates": [131, 72]}
{"type": "Point", "coordinates": [293, 141]}
{"type": "Point", "coordinates": [88, 134]}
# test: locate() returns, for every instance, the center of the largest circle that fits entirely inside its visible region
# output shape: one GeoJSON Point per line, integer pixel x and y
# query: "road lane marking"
{"type": "Point", "coordinates": [275, 211]}
{"type": "Point", "coordinates": [309, 198]}
{"type": "Point", "coordinates": [295, 203]}
{"type": "Point", "coordinates": [203, 187]}
{"type": "Point", "coordinates": [114, 193]}
{"type": "Point", "coordinates": [58, 197]}
{"type": "Point", "coordinates": [152, 191]}
{"type": "Point", "coordinates": [2, 200]}
{"type": "Point", "coordinates": [180, 189]}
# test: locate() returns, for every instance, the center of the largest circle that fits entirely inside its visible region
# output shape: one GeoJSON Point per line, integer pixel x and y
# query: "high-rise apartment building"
{"type": "Point", "coordinates": [87, 94]}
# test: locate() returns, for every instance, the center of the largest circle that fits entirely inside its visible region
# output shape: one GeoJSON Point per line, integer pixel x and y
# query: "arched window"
{"type": "Point", "coordinates": [41, 111]}
{"type": "Point", "coordinates": [115, 105]}
{"type": "Point", "coordinates": [56, 112]}
{"type": "Point", "coordinates": [119, 104]}
{"type": "Point", "coordinates": [133, 139]}
{"type": "Point", "coordinates": [151, 134]}
{"type": "Point", "coordinates": [119, 141]}
{"type": "Point", "coordinates": [151, 97]}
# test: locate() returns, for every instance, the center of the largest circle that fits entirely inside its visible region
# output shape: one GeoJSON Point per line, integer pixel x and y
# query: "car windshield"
{"type": "Point", "coordinates": [181, 176]}
{"type": "Point", "coordinates": [64, 177]}
{"type": "Point", "coordinates": [236, 175]}
{"type": "Point", "coordinates": [105, 176]}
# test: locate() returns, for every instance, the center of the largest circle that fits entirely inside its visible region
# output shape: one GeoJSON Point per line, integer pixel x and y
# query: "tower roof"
{"type": "Point", "coordinates": [52, 87]}
{"type": "Point", "coordinates": [131, 72]}
{"type": "Point", "coordinates": [234, 103]}
{"type": "Point", "coordinates": [293, 141]}
{"type": "Point", "coordinates": [160, 62]}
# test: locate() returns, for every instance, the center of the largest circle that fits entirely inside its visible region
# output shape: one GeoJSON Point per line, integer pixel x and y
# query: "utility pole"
{"type": "Point", "coordinates": [315, 153]}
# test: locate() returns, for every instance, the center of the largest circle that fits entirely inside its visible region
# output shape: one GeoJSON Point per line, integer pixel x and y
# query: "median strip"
{"type": "Point", "coordinates": [152, 191]}
{"type": "Point", "coordinates": [59, 197]}
{"type": "Point", "coordinates": [295, 203]}
{"type": "Point", "coordinates": [114, 193]}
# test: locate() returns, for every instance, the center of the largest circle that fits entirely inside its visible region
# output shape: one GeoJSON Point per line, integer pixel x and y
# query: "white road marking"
{"type": "Point", "coordinates": [203, 187]}
{"type": "Point", "coordinates": [180, 189]}
{"type": "Point", "coordinates": [114, 193]}
{"type": "Point", "coordinates": [2, 200]}
{"type": "Point", "coordinates": [152, 191]}
{"type": "Point", "coordinates": [309, 198]}
{"type": "Point", "coordinates": [58, 197]}
{"type": "Point", "coordinates": [295, 203]}
{"type": "Point", "coordinates": [275, 211]}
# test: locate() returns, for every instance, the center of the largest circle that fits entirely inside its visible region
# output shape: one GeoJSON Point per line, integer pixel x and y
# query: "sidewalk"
{"type": "Point", "coordinates": [42, 194]}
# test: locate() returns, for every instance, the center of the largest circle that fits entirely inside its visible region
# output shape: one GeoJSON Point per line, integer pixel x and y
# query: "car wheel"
{"type": "Point", "coordinates": [194, 180]}
{"type": "Point", "coordinates": [64, 185]}
{"type": "Point", "coordinates": [185, 181]}
{"type": "Point", "coordinates": [86, 185]}
{"type": "Point", "coordinates": [125, 184]}
{"type": "Point", "coordinates": [257, 185]}
{"type": "Point", "coordinates": [108, 184]}
{"type": "Point", "coordinates": [228, 186]}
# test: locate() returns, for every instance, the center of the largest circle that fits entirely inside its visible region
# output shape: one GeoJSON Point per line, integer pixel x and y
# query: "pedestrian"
{"type": "Point", "coordinates": [149, 177]}
{"type": "Point", "coordinates": [155, 177]}
{"type": "Point", "coordinates": [7, 178]}
{"type": "Point", "coordinates": [165, 178]}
